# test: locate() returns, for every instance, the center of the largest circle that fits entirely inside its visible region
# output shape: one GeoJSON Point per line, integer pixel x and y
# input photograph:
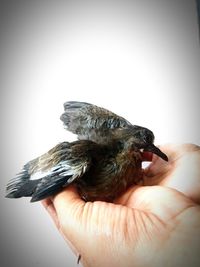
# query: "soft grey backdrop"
{"type": "Point", "coordinates": [137, 58]}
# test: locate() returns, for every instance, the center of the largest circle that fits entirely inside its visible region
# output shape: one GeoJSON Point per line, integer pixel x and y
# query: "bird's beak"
{"type": "Point", "coordinates": [157, 151]}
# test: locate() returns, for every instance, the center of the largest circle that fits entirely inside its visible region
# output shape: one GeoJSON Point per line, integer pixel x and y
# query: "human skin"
{"type": "Point", "coordinates": [151, 225]}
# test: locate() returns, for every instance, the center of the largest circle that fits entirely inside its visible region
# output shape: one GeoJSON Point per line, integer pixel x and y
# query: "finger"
{"type": "Point", "coordinates": [164, 202]}
{"type": "Point", "coordinates": [186, 176]}
{"type": "Point", "coordinates": [49, 206]}
{"type": "Point", "coordinates": [175, 151]}
{"type": "Point", "coordinates": [66, 202]}
{"type": "Point", "coordinates": [58, 207]}
{"type": "Point", "coordinates": [124, 198]}
{"type": "Point", "coordinates": [181, 172]}
{"type": "Point", "coordinates": [157, 166]}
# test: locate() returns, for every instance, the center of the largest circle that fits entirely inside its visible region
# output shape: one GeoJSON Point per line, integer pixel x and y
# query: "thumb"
{"type": "Point", "coordinates": [163, 202]}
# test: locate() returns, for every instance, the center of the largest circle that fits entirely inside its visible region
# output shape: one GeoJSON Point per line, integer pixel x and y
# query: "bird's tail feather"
{"type": "Point", "coordinates": [21, 185]}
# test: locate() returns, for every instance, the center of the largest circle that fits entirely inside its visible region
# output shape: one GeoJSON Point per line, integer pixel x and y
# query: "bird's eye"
{"type": "Point", "coordinates": [138, 135]}
{"type": "Point", "coordinates": [148, 139]}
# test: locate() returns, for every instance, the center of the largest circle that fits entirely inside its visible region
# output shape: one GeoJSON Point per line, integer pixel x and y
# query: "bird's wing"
{"type": "Point", "coordinates": [91, 122]}
{"type": "Point", "coordinates": [65, 163]}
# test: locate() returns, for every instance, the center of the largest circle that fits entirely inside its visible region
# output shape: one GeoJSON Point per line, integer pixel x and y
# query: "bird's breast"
{"type": "Point", "coordinates": [110, 177]}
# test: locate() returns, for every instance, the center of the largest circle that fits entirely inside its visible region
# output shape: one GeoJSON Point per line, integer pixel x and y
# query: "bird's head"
{"type": "Point", "coordinates": [142, 139]}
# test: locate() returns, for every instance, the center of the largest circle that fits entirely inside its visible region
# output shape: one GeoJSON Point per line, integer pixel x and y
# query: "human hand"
{"type": "Point", "coordinates": [153, 225]}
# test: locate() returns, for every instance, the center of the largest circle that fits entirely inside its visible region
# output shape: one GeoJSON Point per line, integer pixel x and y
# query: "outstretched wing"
{"type": "Point", "coordinates": [60, 167]}
{"type": "Point", "coordinates": [49, 173]}
{"type": "Point", "coordinates": [91, 122]}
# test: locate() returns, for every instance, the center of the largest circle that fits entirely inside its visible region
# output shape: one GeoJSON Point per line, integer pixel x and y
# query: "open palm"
{"type": "Point", "coordinates": [152, 225]}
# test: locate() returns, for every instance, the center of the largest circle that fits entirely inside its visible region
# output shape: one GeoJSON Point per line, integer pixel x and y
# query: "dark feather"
{"type": "Point", "coordinates": [52, 171]}
{"type": "Point", "coordinates": [91, 122]}
{"type": "Point", "coordinates": [20, 185]}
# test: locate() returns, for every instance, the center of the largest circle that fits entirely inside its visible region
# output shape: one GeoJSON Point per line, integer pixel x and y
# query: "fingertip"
{"type": "Point", "coordinates": [66, 198]}
{"type": "Point", "coordinates": [49, 206]}
{"type": "Point", "coordinates": [46, 202]}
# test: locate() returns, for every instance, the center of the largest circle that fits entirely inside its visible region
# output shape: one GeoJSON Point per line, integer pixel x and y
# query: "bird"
{"type": "Point", "coordinates": [104, 161]}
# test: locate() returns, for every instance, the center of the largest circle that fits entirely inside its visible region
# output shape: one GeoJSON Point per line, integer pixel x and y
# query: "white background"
{"type": "Point", "coordinates": [139, 59]}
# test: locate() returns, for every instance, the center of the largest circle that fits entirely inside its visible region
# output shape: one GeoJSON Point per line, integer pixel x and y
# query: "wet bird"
{"type": "Point", "coordinates": [104, 161]}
